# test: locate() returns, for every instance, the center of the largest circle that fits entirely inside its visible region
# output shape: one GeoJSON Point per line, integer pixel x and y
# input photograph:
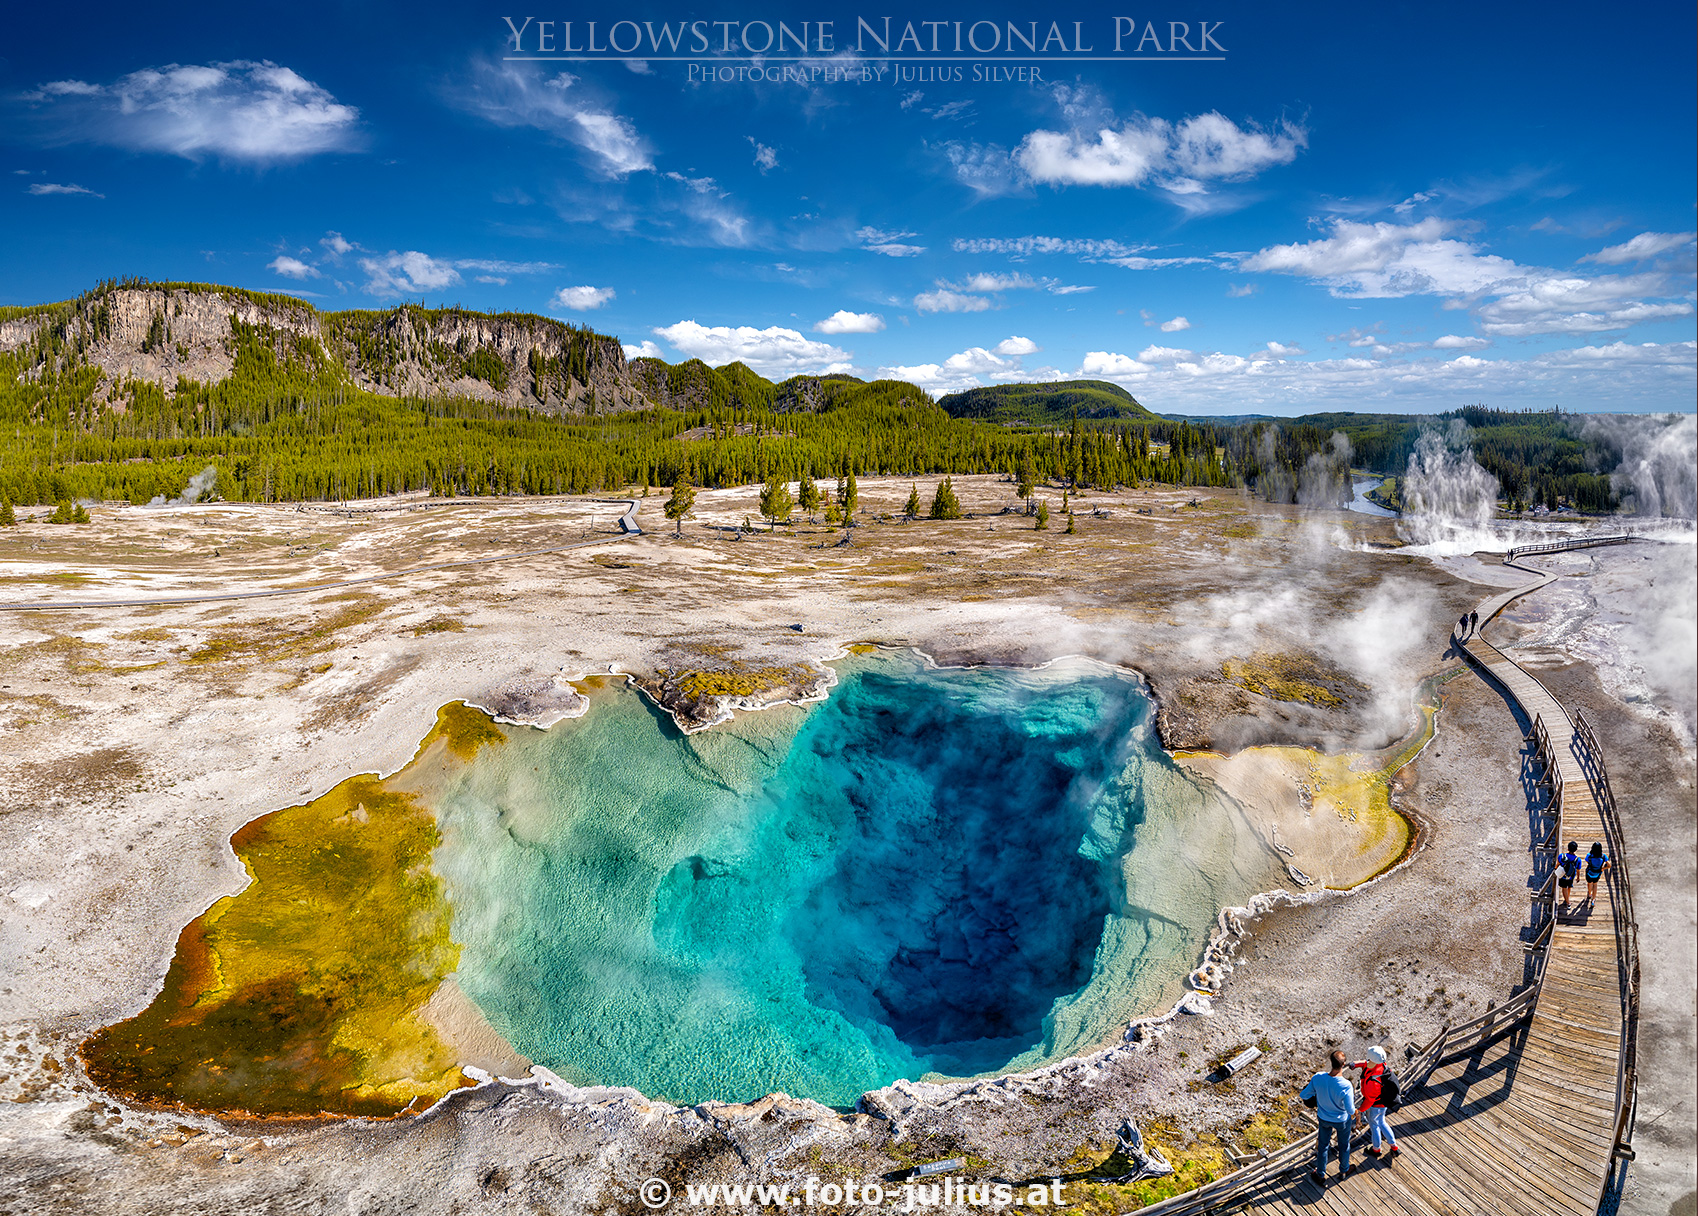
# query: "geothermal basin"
{"type": "Point", "coordinates": [930, 873]}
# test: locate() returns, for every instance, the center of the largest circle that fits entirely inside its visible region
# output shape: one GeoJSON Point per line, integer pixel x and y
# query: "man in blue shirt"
{"type": "Point", "coordinates": [1335, 1106]}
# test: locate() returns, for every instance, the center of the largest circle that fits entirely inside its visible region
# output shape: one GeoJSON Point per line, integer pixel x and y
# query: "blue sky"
{"type": "Point", "coordinates": [1350, 207]}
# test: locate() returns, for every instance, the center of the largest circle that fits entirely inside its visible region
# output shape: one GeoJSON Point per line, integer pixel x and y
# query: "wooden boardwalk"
{"type": "Point", "coordinates": [1530, 1118]}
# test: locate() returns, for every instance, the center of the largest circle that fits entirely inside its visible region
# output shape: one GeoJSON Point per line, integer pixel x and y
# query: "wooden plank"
{"type": "Point", "coordinates": [1538, 1145]}
{"type": "Point", "coordinates": [1420, 1188]}
{"type": "Point", "coordinates": [1487, 1175]}
{"type": "Point", "coordinates": [1561, 1024]}
{"type": "Point", "coordinates": [1389, 1191]}
{"type": "Point", "coordinates": [1548, 1038]}
{"type": "Point", "coordinates": [1466, 1189]}
{"type": "Point", "coordinates": [1544, 1042]}
{"type": "Point", "coordinates": [1584, 1125]}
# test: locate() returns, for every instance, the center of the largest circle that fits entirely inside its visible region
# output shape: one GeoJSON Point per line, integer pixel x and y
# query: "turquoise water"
{"type": "Point", "coordinates": [933, 872]}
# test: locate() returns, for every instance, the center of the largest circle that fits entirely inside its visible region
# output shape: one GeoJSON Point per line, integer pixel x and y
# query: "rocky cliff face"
{"type": "Point", "coordinates": [163, 333]}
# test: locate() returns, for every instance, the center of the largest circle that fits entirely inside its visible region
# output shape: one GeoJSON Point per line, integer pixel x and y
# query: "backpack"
{"type": "Point", "coordinates": [1391, 1093]}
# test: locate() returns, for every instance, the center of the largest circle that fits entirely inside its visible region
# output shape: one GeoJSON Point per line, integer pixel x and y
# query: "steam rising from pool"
{"type": "Point", "coordinates": [952, 872]}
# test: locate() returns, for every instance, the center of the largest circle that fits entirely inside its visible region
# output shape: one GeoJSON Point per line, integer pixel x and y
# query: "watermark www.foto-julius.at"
{"type": "Point", "coordinates": [903, 1196]}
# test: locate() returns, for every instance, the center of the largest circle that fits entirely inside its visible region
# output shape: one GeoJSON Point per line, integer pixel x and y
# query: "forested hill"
{"type": "Point", "coordinates": [163, 333]}
{"type": "Point", "coordinates": [1045, 404]}
{"type": "Point", "coordinates": [132, 389]}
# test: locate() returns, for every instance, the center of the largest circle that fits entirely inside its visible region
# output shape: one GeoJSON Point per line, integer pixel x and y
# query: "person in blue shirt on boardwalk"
{"type": "Point", "coordinates": [1570, 863]}
{"type": "Point", "coordinates": [1334, 1103]}
{"type": "Point", "coordinates": [1597, 864]}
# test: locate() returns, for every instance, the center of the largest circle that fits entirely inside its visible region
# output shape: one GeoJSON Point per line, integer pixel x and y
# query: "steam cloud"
{"type": "Point", "coordinates": [199, 486]}
{"type": "Point", "coordinates": [1447, 496]}
{"type": "Point", "coordinates": [1326, 475]}
{"type": "Point", "coordinates": [1323, 481]}
{"type": "Point", "coordinates": [1657, 474]}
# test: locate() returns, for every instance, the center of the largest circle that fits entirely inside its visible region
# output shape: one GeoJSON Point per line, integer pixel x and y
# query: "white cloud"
{"type": "Point", "coordinates": [1572, 306]}
{"type": "Point", "coordinates": [1459, 342]}
{"type": "Point", "coordinates": [1381, 260]}
{"type": "Point", "coordinates": [844, 322]}
{"type": "Point", "coordinates": [1282, 350]}
{"type": "Point", "coordinates": [1143, 263]}
{"type": "Point", "coordinates": [944, 300]}
{"type": "Point", "coordinates": [975, 361]}
{"type": "Point", "coordinates": [333, 242]}
{"type": "Point", "coordinates": [1106, 365]}
{"type": "Point", "coordinates": [1408, 204]}
{"type": "Point", "coordinates": [987, 169]}
{"type": "Point", "coordinates": [765, 158]}
{"type": "Point", "coordinates": [581, 299]}
{"type": "Point", "coordinates": [496, 266]}
{"type": "Point", "coordinates": [56, 188]}
{"type": "Point", "coordinates": [1645, 245]}
{"type": "Point", "coordinates": [995, 282]}
{"type": "Point", "coordinates": [495, 279]}
{"type": "Point", "coordinates": [645, 350]}
{"type": "Point", "coordinates": [891, 244]}
{"type": "Point", "coordinates": [1071, 289]}
{"type": "Point", "coordinates": [1026, 246]}
{"type": "Point", "coordinates": [1618, 376]}
{"type": "Point", "coordinates": [1179, 157]}
{"type": "Point", "coordinates": [1017, 345]}
{"type": "Point", "coordinates": [242, 110]}
{"type": "Point", "coordinates": [401, 274]}
{"type": "Point", "coordinates": [774, 352]}
{"type": "Point", "coordinates": [1175, 325]}
{"type": "Point", "coordinates": [292, 268]}
{"type": "Point", "coordinates": [510, 95]}
{"type": "Point", "coordinates": [1237, 291]}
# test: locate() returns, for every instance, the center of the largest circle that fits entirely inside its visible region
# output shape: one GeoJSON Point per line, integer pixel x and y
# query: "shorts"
{"type": "Point", "coordinates": [1565, 883]}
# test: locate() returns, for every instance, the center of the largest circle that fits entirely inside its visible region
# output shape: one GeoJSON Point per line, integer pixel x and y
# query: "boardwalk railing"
{"type": "Point", "coordinates": [1557, 546]}
{"type": "Point", "coordinates": [1451, 1042]}
{"type": "Point", "coordinates": [1591, 758]}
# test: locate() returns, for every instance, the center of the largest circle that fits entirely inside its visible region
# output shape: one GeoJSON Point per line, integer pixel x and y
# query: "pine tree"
{"type": "Point", "coordinates": [61, 513]}
{"type": "Point", "coordinates": [912, 508]}
{"type": "Point", "coordinates": [945, 505]}
{"type": "Point", "coordinates": [848, 496]}
{"type": "Point", "coordinates": [79, 514]}
{"type": "Point", "coordinates": [1043, 514]}
{"type": "Point", "coordinates": [8, 517]}
{"type": "Point", "coordinates": [682, 502]}
{"type": "Point", "coordinates": [1064, 497]}
{"type": "Point", "coordinates": [1070, 528]}
{"type": "Point", "coordinates": [808, 495]}
{"type": "Point", "coordinates": [1028, 474]}
{"type": "Point", "coordinates": [776, 503]}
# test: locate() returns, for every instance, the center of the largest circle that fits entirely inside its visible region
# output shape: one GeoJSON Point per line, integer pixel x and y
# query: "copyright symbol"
{"type": "Point", "coordinates": [655, 1193]}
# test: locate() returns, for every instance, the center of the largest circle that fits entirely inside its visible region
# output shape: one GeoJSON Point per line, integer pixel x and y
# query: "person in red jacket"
{"type": "Point", "coordinates": [1373, 1069]}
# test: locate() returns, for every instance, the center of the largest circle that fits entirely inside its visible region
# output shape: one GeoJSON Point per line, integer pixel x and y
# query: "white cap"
{"type": "Point", "coordinates": [1377, 1054]}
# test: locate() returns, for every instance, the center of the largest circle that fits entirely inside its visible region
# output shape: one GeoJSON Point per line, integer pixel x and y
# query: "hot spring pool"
{"type": "Point", "coordinates": [933, 872]}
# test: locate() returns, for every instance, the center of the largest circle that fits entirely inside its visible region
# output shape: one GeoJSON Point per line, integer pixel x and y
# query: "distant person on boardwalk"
{"type": "Point", "coordinates": [1570, 863]}
{"type": "Point", "coordinates": [1473, 622]}
{"type": "Point", "coordinates": [1462, 625]}
{"type": "Point", "coordinates": [1334, 1104]}
{"type": "Point", "coordinates": [1597, 865]}
{"type": "Point", "coordinates": [1374, 1099]}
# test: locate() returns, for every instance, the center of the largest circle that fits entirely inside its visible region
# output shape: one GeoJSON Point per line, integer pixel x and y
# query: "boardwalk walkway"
{"type": "Point", "coordinates": [1529, 1109]}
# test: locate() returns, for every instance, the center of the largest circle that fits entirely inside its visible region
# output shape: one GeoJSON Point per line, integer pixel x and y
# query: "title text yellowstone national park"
{"type": "Point", "coordinates": [1100, 36]}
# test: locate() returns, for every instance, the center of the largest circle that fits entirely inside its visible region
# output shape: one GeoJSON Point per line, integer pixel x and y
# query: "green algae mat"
{"type": "Point", "coordinates": [301, 995]}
